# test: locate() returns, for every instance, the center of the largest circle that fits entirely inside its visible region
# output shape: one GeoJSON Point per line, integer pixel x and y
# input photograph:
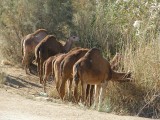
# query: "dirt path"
{"type": "Point", "coordinates": [16, 107]}
{"type": "Point", "coordinates": [20, 100]}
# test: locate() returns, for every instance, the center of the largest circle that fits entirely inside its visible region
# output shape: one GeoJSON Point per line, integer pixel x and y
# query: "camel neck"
{"type": "Point", "coordinates": [68, 45]}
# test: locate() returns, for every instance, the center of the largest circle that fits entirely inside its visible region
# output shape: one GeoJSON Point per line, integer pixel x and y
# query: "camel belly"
{"type": "Point", "coordinates": [92, 79]}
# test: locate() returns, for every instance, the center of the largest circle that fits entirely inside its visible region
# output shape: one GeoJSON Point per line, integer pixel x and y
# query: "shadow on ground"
{"type": "Point", "coordinates": [17, 82]}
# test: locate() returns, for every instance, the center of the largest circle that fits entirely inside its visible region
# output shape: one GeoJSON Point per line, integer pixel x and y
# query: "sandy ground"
{"type": "Point", "coordinates": [16, 107]}
{"type": "Point", "coordinates": [19, 100]}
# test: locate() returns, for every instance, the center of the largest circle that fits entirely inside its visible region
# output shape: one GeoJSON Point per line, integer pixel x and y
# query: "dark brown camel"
{"type": "Point", "coordinates": [94, 69]}
{"type": "Point", "coordinates": [49, 46]}
{"type": "Point", "coordinates": [28, 45]}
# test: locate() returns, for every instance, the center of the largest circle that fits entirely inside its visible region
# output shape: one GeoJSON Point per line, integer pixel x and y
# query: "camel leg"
{"type": "Point", "coordinates": [88, 94]}
{"type": "Point", "coordinates": [38, 68]}
{"type": "Point", "coordinates": [26, 69]}
{"type": "Point", "coordinates": [102, 96]}
{"type": "Point", "coordinates": [57, 82]}
{"type": "Point", "coordinates": [44, 83]}
{"type": "Point", "coordinates": [84, 87]}
{"type": "Point", "coordinates": [97, 89]}
{"type": "Point", "coordinates": [75, 92]}
{"type": "Point", "coordinates": [69, 88]}
{"type": "Point", "coordinates": [62, 88]}
{"type": "Point", "coordinates": [91, 94]}
{"type": "Point", "coordinates": [46, 77]}
{"type": "Point", "coordinates": [25, 63]}
{"type": "Point", "coordinates": [41, 72]}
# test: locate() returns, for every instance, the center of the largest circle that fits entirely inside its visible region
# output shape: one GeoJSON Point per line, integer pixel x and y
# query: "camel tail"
{"type": "Point", "coordinates": [37, 55]}
{"type": "Point", "coordinates": [44, 67]}
{"type": "Point", "coordinates": [61, 68]}
{"type": "Point", "coordinates": [53, 61]}
{"type": "Point", "coordinates": [75, 73]}
{"type": "Point", "coordinates": [22, 41]}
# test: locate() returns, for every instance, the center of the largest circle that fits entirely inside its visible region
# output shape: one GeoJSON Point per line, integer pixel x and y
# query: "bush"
{"type": "Point", "coordinates": [19, 18]}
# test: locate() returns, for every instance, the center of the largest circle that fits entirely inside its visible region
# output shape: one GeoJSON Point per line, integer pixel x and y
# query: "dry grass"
{"type": "Point", "coordinates": [53, 92]}
{"type": "Point", "coordinates": [141, 96]}
{"type": "Point", "coordinates": [130, 28]}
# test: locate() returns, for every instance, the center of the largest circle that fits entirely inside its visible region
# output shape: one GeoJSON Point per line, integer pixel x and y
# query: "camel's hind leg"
{"type": "Point", "coordinates": [69, 88]}
{"type": "Point", "coordinates": [75, 92]}
{"type": "Point", "coordinates": [90, 95]}
{"type": "Point", "coordinates": [102, 96]}
{"type": "Point", "coordinates": [62, 88]}
{"type": "Point", "coordinates": [96, 95]}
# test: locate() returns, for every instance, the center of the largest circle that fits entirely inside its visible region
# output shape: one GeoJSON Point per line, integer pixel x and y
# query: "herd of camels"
{"type": "Point", "coordinates": [78, 65]}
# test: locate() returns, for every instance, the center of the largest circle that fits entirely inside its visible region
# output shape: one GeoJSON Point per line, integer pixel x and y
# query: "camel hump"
{"type": "Point", "coordinates": [51, 37]}
{"type": "Point", "coordinates": [94, 53]}
{"type": "Point", "coordinates": [40, 30]}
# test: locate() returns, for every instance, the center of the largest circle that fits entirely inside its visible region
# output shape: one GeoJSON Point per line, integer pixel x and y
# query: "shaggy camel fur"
{"type": "Point", "coordinates": [28, 45]}
{"type": "Point", "coordinates": [95, 70]}
{"type": "Point", "coordinates": [49, 46]}
{"type": "Point", "coordinates": [66, 69]}
{"type": "Point", "coordinates": [115, 62]}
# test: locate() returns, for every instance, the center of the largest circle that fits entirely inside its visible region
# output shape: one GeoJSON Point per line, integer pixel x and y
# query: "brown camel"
{"type": "Point", "coordinates": [56, 67]}
{"type": "Point", "coordinates": [94, 69]}
{"type": "Point", "coordinates": [49, 46]}
{"type": "Point", "coordinates": [47, 69]}
{"type": "Point", "coordinates": [28, 45]}
{"type": "Point", "coordinates": [115, 62]}
{"type": "Point", "coordinates": [66, 69]}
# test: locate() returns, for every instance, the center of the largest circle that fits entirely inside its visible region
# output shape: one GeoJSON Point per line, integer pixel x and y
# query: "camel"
{"type": "Point", "coordinates": [115, 62]}
{"type": "Point", "coordinates": [47, 69]}
{"type": "Point", "coordinates": [66, 69]}
{"type": "Point", "coordinates": [49, 46]}
{"type": "Point", "coordinates": [28, 44]}
{"type": "Point", "coordinates": [56, 67]}
{"type": "Point", "coordinates": [94, 69]}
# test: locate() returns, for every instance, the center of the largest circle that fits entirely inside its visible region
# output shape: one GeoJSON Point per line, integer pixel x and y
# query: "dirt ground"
{"type": "Point", "coordinates": [21, 99]}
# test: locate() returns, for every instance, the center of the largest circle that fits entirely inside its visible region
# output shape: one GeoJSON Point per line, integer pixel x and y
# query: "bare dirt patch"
{"type": "Point", "coordinates": [20, 99]}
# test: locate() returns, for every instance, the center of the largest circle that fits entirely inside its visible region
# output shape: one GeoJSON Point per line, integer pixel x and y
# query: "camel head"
{"type": "Point", "coordinates": [127, 77]}
{"type": "Point", "coordinates": [74, 38]}
{"type": "Point", "coordinates": [71, 40]}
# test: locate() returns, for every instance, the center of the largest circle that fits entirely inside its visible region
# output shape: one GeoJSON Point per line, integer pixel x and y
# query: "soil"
{"type": "Point", "coordinates": [22, 98]}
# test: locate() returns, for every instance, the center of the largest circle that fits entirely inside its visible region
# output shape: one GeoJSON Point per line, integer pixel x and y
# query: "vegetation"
{"type": "Point", "coordinates": [131, 27]}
